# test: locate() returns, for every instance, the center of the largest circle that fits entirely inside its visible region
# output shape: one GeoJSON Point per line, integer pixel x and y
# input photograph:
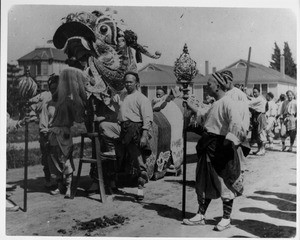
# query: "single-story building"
{"type": "Point", "coordinates": [267, 79]}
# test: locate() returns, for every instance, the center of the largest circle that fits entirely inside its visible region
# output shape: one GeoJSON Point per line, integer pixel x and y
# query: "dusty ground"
{"type": "Point", "coordinates": [267, 208]}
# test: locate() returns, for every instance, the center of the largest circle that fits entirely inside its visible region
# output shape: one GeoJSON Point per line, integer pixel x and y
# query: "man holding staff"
{"type": "Point", "coordinates": [218, 172]}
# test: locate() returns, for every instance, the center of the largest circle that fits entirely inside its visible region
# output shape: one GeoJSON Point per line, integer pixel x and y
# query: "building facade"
{"type": "Point", "coordinates": [266, 79]}
{"type": "Point", "coordinates": [43, 62]}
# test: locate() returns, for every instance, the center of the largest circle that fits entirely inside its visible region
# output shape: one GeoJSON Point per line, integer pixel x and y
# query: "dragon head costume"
{"type": "Point", "coordinates": [97, 43]}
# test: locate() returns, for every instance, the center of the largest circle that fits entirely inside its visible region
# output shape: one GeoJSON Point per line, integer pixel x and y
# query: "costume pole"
{"type": "Point", "coordinates": [248, 66]}
{"type": "Point", "coordinates": [27, 89]}
{"type": "Point", "coordinates": [185, 70]}
{"type": "Point", "coordinates": [26, 160]}
{"type": "Point", "coordinates": [184, 162]}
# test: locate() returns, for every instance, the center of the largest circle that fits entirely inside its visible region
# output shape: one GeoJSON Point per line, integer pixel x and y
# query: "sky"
{"type": "Point", "coordinates": [220, 35]}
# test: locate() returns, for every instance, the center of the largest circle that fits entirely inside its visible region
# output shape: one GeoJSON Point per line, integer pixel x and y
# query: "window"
{"type": "Point", "coordinates": [44, 67]}
{"type": "Point", "coordinates": [205, 92]}
{"type": "Point", "coordinates": [165, 88]}
{"type": "Point", "coordinates": [264, 89]}
{"type": "Point", "coordinates": [257, 86]}
{"type": "Point", "coordinates": [38, 68]}
{"type": "Point", "coordinates": [144, 90]}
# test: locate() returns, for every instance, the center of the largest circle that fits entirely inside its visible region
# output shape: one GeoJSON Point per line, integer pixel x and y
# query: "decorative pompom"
{"type": "Point", "coordinates": [27, 87]}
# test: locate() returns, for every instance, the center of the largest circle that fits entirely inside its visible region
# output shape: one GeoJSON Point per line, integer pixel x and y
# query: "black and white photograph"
{"type": "Point", "coordinates": [149, 119]}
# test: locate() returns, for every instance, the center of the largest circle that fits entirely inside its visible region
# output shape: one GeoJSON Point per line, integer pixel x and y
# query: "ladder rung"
{"type": "Point", "coordinates": [92, 134]}
{"type": "Point", "coordinates": [88, 160]}
{"type": "Point", "coordinates": [107, 157]}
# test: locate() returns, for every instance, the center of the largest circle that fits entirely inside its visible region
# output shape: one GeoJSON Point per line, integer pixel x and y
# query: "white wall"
{"type": "Point", "coordinates": [198, 91]}
{"type": "Point", "coordinates": [273, 88]}
{"type": "Point", "coordinates": [282, 88]}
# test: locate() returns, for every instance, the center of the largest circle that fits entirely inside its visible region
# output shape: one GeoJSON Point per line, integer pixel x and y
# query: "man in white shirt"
{"type": "Point", "coordinates": [288, 116]}
{"type": "Point", "coordinates": [135, 117]}
{"type": "Point", "coordinates": [271, 112]}
{"type": "Point", "coordinates": [218, 172]}
{"type": "Point", "coordinates": [257, 105]}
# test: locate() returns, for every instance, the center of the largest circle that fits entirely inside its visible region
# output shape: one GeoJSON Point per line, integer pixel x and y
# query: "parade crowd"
{"type": "Point", "coordinates": [124, 120]}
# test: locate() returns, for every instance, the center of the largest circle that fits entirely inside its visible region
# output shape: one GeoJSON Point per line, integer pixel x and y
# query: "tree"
{"type": "Point", "coordinates": [290, 66]}
{"type": "Point", "coordinates": [276, 58]}
{"type": "Point", "coordinates": [13, 97]}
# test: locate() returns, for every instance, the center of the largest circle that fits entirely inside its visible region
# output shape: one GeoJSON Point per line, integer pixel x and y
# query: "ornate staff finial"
{"type": "Point", "coordinates": [185, 69]}
{"type": "Point", "coordinates": [185, 49]}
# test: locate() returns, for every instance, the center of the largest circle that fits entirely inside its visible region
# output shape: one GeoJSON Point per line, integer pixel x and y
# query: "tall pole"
{"type": "Point", "coordinates": [26, 159]}
{"type": "Point", "coordinates": [184, 163]}
{"type": "Point", "coordinates": [248, 66]}
{"type": "Point", "coordinates": [27, 89]}
{"type": "Point", "coordinates": [185, 70]}
{"type": "Point", "coordinates": [185, 96]}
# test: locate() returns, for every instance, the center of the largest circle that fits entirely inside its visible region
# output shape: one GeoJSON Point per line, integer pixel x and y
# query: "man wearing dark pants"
{"type": "Point", "coordinates": [135, 117]}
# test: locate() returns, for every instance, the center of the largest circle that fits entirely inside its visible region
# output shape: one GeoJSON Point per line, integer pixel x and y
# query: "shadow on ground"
{"type": "Point", "coordinates": [271, 213]}
{"type": "Point", "coordinates": [264, 230]}
{"type": "Point", "coordinates": [284, 202]}
{"type": "Point", "coordinates": [285, 196]}
{"type": "Point", "coordinates": [170, 212]}
{"type": "Point", "coordinates": [188, 183]}
{"type": "Point", "coordinates": [33, 185]}
{"type": "Point", "coordinates": [282, 205]}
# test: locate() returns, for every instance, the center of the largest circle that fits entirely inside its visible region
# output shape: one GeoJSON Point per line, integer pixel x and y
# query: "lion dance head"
{"type": "Point", "coordinates": [98, 44]}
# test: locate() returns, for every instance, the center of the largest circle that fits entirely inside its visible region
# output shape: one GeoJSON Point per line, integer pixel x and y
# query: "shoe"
{"type": "Point", "coordinates": [55, 192]}
{"type": "Point", "coordinates": [10, 207]}
{"type": "Point", "coordinates": [13, 209]}
{"type": "Point", "coordinates": [290, 149]}
{"type": "Point", "coordinates": [198, 219]}
{"type": "Point", "coordinates": [140, 195]}
{"type": "Point", "coordinates": [109, 153]}
{"type": "Point", "coordinates": [261, 153]}
{"type": "Point", "coordinates": [68, 193]}
{"type": "Point", "coordinates": [283, 148]}
{"type": "Point", "coordinates": [10, 187]}
{"type": "Point", "coordinates": [271, 146]}
{"type": "Point", "coordinates": [222, 225]}
{"type": "Point", "coordinates": [254, 153]}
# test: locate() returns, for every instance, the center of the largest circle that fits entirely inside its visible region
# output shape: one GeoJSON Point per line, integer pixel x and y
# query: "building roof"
{"type": "Point", "coordinates": [163, 75]}
{"type": "Point", "coordinates": [258, 73]}
{"type": "Point", "coordinates": [159, 75]}
{"type": "Point", "coordinates": [44, 53]}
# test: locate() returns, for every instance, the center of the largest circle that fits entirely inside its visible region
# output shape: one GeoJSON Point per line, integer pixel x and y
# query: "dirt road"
{"type": "Point", "coordinates": [267, 208]}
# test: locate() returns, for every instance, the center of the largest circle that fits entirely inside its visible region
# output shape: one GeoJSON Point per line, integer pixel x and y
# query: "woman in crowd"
{"type": "Point", "coordinates": [288, 116]}
{"type": "Point", "coordinates": [69, 108]}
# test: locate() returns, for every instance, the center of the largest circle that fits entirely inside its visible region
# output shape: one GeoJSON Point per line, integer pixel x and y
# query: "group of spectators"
{"type": "Point", "coordinates": [270, 119]}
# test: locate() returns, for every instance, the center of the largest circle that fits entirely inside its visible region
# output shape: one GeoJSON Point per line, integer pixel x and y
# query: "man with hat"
{"type": "Point", "coordinates": [218, 172]}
